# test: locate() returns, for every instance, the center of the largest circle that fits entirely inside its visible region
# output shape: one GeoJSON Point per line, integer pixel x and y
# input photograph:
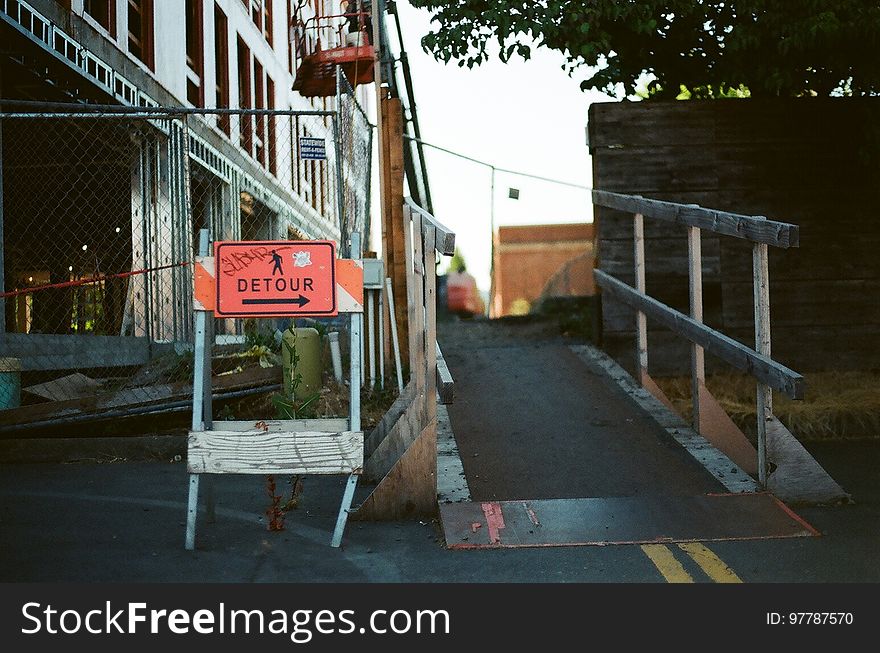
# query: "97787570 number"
{"type": "Point", "coordinates": [809, 618]}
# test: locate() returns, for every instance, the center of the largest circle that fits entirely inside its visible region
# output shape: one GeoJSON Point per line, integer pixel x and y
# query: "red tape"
{"type": "Point", "coordinates": [83, 282]}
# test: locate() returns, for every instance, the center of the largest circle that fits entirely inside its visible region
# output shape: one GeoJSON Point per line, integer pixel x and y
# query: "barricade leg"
{"type": "Point", "coordinates": [192, 511]}
{"type": "Point", "coordinates": [344, 509]}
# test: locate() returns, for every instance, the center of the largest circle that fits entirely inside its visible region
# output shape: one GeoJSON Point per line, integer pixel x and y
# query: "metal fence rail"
{"type": "Point", "coordinates": [100, 209]}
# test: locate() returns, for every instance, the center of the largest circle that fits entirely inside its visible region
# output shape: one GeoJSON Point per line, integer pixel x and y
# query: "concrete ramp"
{"type": "Point", "coordinates": [619, 520]}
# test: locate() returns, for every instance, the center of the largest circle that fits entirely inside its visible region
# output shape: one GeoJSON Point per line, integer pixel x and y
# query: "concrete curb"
{"type": "Point", "coordinates": [452, 486]}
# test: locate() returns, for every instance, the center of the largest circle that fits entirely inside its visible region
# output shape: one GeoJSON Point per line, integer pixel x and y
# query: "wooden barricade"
{"type": "Point", "coordinates": [301, 447]}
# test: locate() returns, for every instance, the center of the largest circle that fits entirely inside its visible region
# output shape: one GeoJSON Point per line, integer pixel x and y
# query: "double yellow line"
{"type": "Point", "coordinates": [674, 572]}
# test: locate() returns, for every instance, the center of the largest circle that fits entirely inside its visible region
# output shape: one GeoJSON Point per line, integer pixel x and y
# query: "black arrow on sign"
{"type": "Point", "coordinates": [299, 301]}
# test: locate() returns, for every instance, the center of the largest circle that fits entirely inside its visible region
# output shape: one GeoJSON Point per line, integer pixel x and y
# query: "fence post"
{"type": "Point", "coordinates": [641, 320]}
{"type": "Point", "coordinates": [695, 288]}
{"type": "Point", "coordinates": [2, 237]}
{"type": "Point", "coordinates": [354, 420]}
{"type": "Point", "coordinates": [761, 281]}
{"type": "Point", "coordinates": [340, 180]}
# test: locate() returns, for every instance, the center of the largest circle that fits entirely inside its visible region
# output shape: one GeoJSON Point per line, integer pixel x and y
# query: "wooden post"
{"type": "Point", "coordinates": [641, 320]}
{"type": "Point", "coordinates": [394, 247]}
{"type": "Point", "coordinates": [417, 306]}
{"type": "Point", "coordinates": [761, 279]}
{"type": "Point", "coordinates": [430, 325]}
{"type": "Point", "coordinates": [695, 287]}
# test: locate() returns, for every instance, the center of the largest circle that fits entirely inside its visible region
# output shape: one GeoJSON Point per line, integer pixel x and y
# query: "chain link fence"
{"type": "Point", "coordinates": [100, 217]}
{"type": "Point", "coordinates": [356, 147]}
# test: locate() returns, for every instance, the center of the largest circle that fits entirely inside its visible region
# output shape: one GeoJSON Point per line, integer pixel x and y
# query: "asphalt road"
{"type": "Point", "coordinates": [124, 522]}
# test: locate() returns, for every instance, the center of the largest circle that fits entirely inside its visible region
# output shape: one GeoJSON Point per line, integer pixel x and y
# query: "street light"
{"type": "Point", "coordinates": [512, 194]}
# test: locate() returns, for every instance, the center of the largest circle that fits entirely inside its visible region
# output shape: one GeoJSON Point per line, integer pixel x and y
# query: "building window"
{"type": "Point", "coordinates": [261, 15]}
{"type": "Point", "coordinates": [221, 64]}
{"type": "Point", "coordinates": [140, 30]}
{"type": "Point", "coordinates": [103, 12]}
{"type": "Point", "coordinates": [256, 90]}
{"type": "Point", "coordinates": [260, 103]}
{"type": "Point", "coordinates": [270, 126]}
{"type": "Point", "coordinates": [246, 128]}
{"type": "Point", "coordinates": [296, 49]}
{"type": "Point", "coordinates": [267, 21]}
{"type": "Point", "coordinates": [195, 57]}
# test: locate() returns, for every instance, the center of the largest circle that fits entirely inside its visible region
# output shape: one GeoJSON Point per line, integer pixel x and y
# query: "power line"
{"type": "Point", "coordinates": [493, 167]}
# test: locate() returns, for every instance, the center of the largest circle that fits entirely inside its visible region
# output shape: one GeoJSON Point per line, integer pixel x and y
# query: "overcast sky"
{"type": "Point", "coordinates": [526, 116]}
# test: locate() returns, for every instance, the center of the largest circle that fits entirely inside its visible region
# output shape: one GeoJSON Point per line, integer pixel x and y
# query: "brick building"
{"type": "Point", "coordinates": [527, 258]}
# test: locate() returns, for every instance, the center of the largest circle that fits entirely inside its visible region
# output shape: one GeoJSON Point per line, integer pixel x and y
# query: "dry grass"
{"type": "Point", "coordinates": [837, 404]}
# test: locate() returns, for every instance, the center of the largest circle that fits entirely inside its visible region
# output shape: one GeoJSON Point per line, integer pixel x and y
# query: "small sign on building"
{"type": "Point", "coordinates": [312, 148]}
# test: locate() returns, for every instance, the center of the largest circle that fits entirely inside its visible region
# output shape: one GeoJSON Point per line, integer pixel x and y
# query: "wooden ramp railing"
{"type": "Point", "coordinates": [401, 453]}
{"type": "Point", "coordinates": [796, 476]}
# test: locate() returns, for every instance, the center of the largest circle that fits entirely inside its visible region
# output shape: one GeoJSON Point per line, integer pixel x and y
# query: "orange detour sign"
{"type": "Point", "coordinates": [275, 278]}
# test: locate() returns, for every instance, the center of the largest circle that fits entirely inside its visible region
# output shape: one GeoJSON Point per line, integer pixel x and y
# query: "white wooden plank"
{"type": "Point", "coordinates": [246, 452]}
{"type": "Point", "coordinates": [774, 374]}
{"type": "Point", "coordinates": [445, 382]}
{"type": "Point", "coordinates": [332, 424]}
{"type": "Point", "coordinates": [445, 237]}
{"type": "Point", "coordinates": [750, 227]}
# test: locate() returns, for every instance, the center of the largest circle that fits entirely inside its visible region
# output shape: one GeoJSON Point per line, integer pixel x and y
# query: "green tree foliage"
{"type": "Point", "coordinates": [456, 263]}
{"type": "Point", "coordinates": [708, 48]}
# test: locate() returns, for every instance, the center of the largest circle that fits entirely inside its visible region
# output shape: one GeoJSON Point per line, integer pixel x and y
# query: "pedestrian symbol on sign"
{"type": "Point", "coordinates": [276, 262]}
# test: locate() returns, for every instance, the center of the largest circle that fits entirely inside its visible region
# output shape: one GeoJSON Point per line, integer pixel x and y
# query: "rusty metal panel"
{"type": "Point", "coordinates": [619, 520]}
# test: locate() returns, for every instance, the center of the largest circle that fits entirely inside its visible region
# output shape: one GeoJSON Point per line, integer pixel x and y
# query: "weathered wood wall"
{"type": "Point", "coordinates": [813, 162]}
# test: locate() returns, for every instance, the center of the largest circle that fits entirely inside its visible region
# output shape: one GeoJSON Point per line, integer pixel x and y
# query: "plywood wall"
{"type": "Point", "coordinates": [813, 162]}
